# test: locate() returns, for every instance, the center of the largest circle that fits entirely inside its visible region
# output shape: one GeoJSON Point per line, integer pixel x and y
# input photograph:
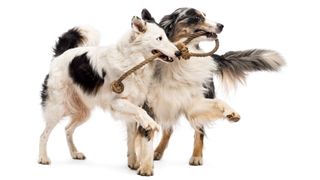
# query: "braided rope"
{"type": "Point", "coordinates": [117, 85]}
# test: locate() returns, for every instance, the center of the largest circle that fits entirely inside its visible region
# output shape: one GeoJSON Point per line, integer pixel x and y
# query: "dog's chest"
{"type": "Point", "coordinates": [137, 85]}
{"type": "Point", "coordinates": [176, 87]}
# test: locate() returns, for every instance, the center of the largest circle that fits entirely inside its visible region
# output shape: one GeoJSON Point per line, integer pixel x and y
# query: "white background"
{"type": "Point", "coordinates": [278, 136]}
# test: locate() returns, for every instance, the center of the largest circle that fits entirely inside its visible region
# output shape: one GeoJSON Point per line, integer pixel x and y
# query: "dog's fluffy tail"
{"type": "Point", "coordinates": [76, 37]}
{"type": "Point", "coordinates": [233, 66]}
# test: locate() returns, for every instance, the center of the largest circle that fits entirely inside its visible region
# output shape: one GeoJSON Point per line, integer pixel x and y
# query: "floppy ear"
{"type": "Point", "coordinates": [145, 14]}
{"type": "Point", "coordinates": [168, 23]}
{"type": "Point", "coordinates": [138, 25]}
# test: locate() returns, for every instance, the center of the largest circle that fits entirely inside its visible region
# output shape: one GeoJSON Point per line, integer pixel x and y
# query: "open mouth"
{"type": "Point", "coordinates": [162, 56]}
{"type": "Point", "coordinates": [206, 33]}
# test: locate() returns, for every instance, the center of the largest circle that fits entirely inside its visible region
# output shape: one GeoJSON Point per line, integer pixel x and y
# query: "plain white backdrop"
{"type": "Point", "coordinates": [278, 136]}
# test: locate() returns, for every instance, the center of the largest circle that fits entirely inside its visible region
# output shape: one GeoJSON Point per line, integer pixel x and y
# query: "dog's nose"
{"type": "Point", "coordinates": [178, 53]}
{"type": "Point", "coordinates": [220, 26]}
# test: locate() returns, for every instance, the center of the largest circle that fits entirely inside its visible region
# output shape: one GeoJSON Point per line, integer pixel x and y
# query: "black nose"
{"type": "Point", "coordinates": [220, 26]}
{"type": "Point", "coordinates": [178, 53]}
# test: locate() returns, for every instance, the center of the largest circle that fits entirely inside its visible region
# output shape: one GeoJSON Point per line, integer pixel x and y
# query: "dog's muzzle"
{"type": "Point", "coordinates": [162, 56]}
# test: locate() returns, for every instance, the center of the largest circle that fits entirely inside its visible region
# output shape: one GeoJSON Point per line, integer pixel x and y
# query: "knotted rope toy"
{"type": "Point", "coordinates": [117, 85]}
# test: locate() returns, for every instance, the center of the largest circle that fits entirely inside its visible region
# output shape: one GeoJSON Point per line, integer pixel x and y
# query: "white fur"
{"type": "Point", "coordinates": [179, 88]}
{"type": "Point", "coordinates": [92, 35]}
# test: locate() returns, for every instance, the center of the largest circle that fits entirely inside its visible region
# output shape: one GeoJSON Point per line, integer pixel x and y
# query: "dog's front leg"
{"type": "Point", "coordinates": [133, 162]}
{"type": "Point", "coordinates": [122, 108]}
{"type": "Point", "coordinates": [202, 111]}
{"type": "Point", "coordinates": [145, 143]}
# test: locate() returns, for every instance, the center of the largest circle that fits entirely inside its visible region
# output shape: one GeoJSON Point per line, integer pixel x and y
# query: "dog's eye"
{"type": "Point", "coordinates": [159, 38]}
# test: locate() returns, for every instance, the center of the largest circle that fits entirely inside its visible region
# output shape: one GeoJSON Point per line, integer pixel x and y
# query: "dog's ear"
{"type": "Point", "coordinates": [138, 25]}
{"type": "Point", "coordinates": [145, 14]}
{"type": "Point", "coordinates": [168, 24]}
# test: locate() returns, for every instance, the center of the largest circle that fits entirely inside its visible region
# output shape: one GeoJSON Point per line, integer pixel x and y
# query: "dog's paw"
{"type": "Point", "coordinates": [133, 163]}
{"type": "Point", "coordinates": [146, 171]}
{"type": "Point", "coordinates": [195, 161]}
{"type": "Point", "coordinates": [151, 125]}
{"type": "Point", "coordinates": [234, 117]}
{"type": "Point", "coordinates": [157, 156]}
{"type": "Point", "coordinates": [44, 161]}
{"type": "Point", "coordinates": [133, 166]}
{"type": "Point", "coordinates": [78, 156]}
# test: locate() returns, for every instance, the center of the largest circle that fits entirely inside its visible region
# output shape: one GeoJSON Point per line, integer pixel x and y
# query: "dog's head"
{"type": "Point", "coordinates": [185, 21]}
{"type": "Point", "coordinates": [152, 38]}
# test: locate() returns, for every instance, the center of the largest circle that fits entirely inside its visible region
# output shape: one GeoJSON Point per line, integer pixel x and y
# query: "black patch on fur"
{"type": "Point", "coordinates": [145, 133]}
{"type": "Point", "coordinates": [44, 92]}
{"type": "Point", "coordinates": [148, 109]}
{"type": "Point", "coordinates": [191, 12]}
{"type": "Point", "coordinates": [210, 94]}
{"type": "Point", "coordinates": [70, 39]}
{"type": "Point", "coordinates": [193, 17]}
{"type": "Point", "coordinates": [146, 16]}
{"type": "Point", "coordinates": [168, 22]}
{"type": "Point", "coordinates": [104, 73]}
{"type": "Point", "coordinates": [83, 74]}
{"type": "Point", "coordinates": [202, 131]}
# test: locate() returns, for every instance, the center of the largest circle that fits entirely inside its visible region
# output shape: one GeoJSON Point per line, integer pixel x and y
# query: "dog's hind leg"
{"type": "Point", "coordinates": [79, 114]}
{"type": "Point", "coordinates": [52, 116]}
{"type": "Point", "coordinates": [196, 158]}
{"type": "Point", "coordinates": [76, 120]}
{"type": "Point", "coordinates": [133, 162]}
{"type": "Point", "coordinates": [166, 134]}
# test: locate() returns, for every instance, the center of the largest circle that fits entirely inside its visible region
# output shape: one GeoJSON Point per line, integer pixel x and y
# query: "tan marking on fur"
{"type": "Point", "coordinates": [198, 144]}
{"type": "Point", "coordinates": [183, 30]}
{"type": "Point", "coordinates": [75, 105]}
{"type": "Point", "coordinates": [166, 134]}
{"type": "Point", "coordinates": [79, 114]}
{"type": "Point", "coordinates": [196, 158]}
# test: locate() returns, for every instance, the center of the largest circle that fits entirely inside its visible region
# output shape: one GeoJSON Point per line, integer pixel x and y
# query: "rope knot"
{"type": "Point", "coordinates": [184, 50]}
{"type": "Point", "coordinates": [117, 87]}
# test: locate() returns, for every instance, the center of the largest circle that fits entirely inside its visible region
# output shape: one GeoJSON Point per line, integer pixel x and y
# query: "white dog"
{"type": "Point", "coordinates": [80, 78]}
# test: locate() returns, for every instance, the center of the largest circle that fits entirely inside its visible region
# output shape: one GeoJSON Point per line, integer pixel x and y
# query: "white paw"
{"type": "Point", "coordinates": [44, 160]}
{"type": "Point", "coordinates": [78, 156]}
{"type": "Point", "coordinates": [151, 125]}
{"type": "Point", "coordinates": [133, 163]}
{"type": "Point", "coordinates": [195, 161]}
{"type": "Point", "coordinates": [146, 171]}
